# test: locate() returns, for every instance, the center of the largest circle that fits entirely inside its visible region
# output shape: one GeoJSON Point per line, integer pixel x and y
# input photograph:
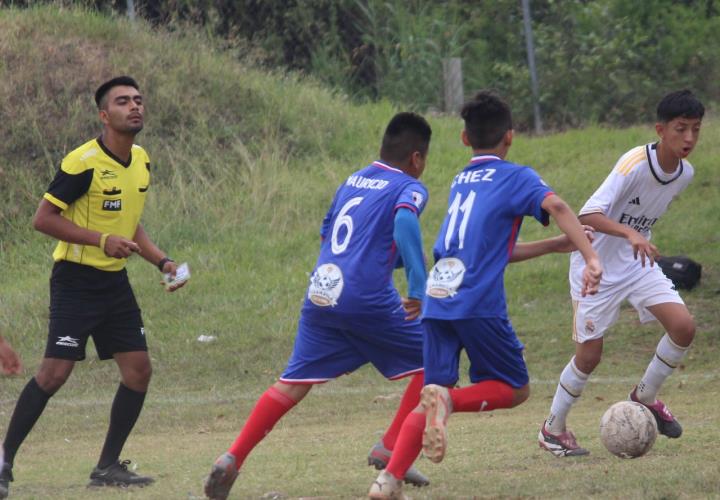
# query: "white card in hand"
{"type": "Point", "coordinates": [182, 274]}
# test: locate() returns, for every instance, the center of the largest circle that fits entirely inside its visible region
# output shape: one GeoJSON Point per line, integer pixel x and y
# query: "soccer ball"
{"type": "Point", "coordinates": [628, 429]}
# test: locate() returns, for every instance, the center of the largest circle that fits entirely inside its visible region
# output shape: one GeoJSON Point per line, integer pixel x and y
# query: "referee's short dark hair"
{"type": "Point", "coordinates": [406, 133]}
{"type": "Point", "coordinates": [101, 92]}
{"type": "Point", "coordinates": [487, 118]}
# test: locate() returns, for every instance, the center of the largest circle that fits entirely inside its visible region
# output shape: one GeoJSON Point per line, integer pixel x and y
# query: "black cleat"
{"type": "Point", "coordinates": [5, 478]}
{"type": "Point", "coordinates": [222, 476]}
{"type": "Point", "coordinates": [379, 457]}
{"type": "Point", "coordinates": [118, 474]}
{"type": "Point", "coordinates": [666, 423]}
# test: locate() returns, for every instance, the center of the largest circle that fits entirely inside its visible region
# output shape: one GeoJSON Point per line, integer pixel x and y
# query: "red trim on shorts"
{"type": "Point", "coordinates": [407, 374]}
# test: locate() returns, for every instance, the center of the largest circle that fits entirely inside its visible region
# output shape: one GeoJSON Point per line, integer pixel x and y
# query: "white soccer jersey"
{"type": "Point", "coordinates": [636, 193]}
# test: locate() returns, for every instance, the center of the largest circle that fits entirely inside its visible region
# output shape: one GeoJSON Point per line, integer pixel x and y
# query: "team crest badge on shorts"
{"type": "Point", "coordinates": [326, 285]}
{"type": "Point", "coordinates": [445, 278]}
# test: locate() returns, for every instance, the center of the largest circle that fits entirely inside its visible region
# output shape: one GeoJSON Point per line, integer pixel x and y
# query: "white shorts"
{"type": "Point", "coordinates": [594, 314]}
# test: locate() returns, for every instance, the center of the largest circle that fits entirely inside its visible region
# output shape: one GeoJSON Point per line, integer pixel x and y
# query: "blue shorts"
{"type": "Point", "coordinates": [494, 351]}
{"type": "Point", "coordinates": [323, 352]}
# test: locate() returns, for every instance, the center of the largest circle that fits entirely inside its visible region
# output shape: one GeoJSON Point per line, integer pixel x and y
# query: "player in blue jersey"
{"type": "Point", "coordinates": [352, 313]}
{"type": "Point", "coordinates": [465, 305]}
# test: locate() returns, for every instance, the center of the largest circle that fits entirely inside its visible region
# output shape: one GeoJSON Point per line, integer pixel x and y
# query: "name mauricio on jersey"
{"type": "Point", "coordinates": [360, 182]}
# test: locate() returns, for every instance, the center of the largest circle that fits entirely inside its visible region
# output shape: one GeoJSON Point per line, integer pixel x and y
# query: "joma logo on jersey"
{"type": "Point", "coordinates": [112, 205]}
{"type": "Point", "coordinates": [108, 174]}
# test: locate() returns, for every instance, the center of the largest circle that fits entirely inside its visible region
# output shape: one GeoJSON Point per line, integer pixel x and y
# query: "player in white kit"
{"type": "Point", "coordinates": [623, 210]}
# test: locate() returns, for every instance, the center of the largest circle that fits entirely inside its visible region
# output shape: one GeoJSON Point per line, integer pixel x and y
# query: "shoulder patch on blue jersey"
{"type": "Point", "coordinates": [418, 198]}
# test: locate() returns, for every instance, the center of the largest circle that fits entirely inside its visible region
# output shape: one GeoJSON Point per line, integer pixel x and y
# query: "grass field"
{"type": "Point", "coordinates": [245, 163]}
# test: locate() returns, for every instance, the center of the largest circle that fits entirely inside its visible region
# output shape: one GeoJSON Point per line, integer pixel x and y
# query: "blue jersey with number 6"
{"type": "Point", "coordinates": [353, 273]}
{"type": "Point", "coordinates": [486, 206]}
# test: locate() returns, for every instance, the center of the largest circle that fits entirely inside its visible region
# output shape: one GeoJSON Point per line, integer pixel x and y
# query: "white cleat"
{"type": "Point", "coordinates": [387, 487]}
{"type": "Point", "coordinates": [435, 399]}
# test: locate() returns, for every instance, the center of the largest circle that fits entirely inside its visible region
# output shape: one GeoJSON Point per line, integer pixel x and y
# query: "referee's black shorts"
{"type": "Point", "coordinates": [84, 302]}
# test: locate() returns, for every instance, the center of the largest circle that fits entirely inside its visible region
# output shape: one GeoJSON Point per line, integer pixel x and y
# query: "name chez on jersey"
{"type": "Point", "coordinates": [640, 224]}
{"type": "Point", "coordinates": [360, 182]}
{"type": "Point", "coordinates": [480, 175]}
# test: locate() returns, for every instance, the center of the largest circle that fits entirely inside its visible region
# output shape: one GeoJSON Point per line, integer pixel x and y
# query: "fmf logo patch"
{"type": "Point", "coordinates": [112, 205]}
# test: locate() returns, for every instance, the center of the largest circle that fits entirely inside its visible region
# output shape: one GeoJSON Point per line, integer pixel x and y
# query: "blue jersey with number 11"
{"type": "Point", "coordinates": [353, 273]}
{"type": "Point", "coordinates": [487, 203]}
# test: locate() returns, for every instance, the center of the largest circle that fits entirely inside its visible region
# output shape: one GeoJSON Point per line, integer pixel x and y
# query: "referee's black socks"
{"type": "Point", "coordinates": [125, 410]}
{"type": "Point", "coordinates": [28, 409]}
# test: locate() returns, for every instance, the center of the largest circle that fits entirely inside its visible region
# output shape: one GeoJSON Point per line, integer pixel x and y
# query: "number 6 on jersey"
{"type": "Point", "coordinates": [343, 219]}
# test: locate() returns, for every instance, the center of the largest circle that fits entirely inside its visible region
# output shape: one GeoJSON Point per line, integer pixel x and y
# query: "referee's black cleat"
{"type": "Point", "coordinates": [118, 474]}
{"type": "Point", "coordinates": [5, 478]}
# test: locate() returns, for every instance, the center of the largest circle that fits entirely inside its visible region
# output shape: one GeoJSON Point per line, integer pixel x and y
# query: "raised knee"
{"type": "Point", "coordinates": [520, 395]}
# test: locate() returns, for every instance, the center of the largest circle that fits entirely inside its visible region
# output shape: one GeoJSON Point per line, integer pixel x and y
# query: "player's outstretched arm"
{"type": "Point", "coordinates": [557, 244]}
{"type": "Point", "coordinates": [640, 245]}
{"type": "Point", "coordinates": [9, 360]}
{"type": "Point", "coordinates": [570, 225]}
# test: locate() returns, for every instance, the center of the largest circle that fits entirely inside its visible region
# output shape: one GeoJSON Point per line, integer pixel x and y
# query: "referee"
{"type": "Point", "coordinates": [93, 208]}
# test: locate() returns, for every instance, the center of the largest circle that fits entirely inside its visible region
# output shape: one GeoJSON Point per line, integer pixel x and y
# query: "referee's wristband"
{"type": "Point", "coordinates": [164, 261]}
{"type": "Point", "coordinates": [103, 240]}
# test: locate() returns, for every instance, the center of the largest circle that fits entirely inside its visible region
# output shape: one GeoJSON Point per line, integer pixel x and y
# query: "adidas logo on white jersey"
{"type": "Point", "coordinates": [634, 201]}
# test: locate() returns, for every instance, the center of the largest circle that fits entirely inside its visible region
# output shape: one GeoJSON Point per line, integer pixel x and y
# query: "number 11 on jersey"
{"type": "Point", "coordinates": [455, 207]}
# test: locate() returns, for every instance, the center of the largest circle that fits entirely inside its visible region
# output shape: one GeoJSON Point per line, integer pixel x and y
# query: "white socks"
{"type": "Point", "coordinates": [572, 383]}
{"type": "Point", "coordinates": [667, 356]}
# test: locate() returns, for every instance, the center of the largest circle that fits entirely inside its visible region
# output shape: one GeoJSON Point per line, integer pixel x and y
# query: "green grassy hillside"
{"type": "Point", "coordinates": [244, 165]}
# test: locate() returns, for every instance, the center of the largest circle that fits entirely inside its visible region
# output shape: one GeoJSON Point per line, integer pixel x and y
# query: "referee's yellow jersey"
{"type": "Point", "coordinates": [98, 191]}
